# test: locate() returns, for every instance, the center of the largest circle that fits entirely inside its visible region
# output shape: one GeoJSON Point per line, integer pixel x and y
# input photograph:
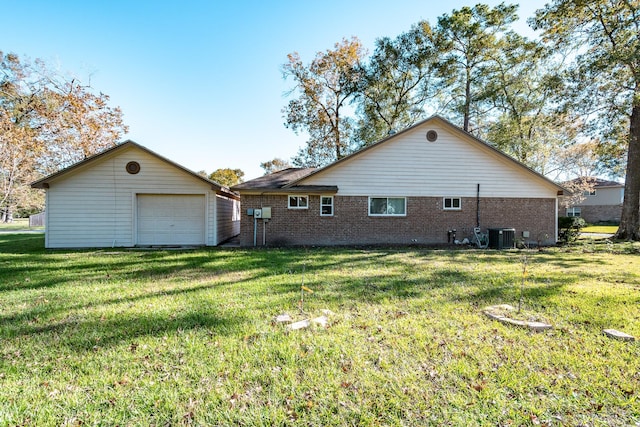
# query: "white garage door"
{"type": "Point", "coordinates": [170, 219]}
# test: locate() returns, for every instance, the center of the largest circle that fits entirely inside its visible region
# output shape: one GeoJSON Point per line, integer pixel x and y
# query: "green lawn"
{"type": "Point", "coordinates": [120, 337]}
{"type": "Point", "coordinates": [18, 224]}
{"type": "Point", "coordinates": [611, 229]}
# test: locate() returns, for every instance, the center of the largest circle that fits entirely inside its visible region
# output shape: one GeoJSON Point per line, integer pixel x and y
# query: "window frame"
{"type": "Point", "coordinates": [588, 193]}
{"type": "Point", "coordinates": [297, 197]}
{"type": "Point", "coordinates": [322, 205]}
{"type": "Point", "coordinates": [404, 198]}
{"type": "Point", "coordinates": [453, 207]}
{"type": "Point", "coordinates": [571, 212]}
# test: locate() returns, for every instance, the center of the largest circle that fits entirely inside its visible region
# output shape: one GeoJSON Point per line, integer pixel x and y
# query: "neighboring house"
{"type": "Point", "coordinates": [130, 196]}
{"type": "Point", "coordinates": [602, 204]}
{"type": "Point", "coordinates": [414, 187]}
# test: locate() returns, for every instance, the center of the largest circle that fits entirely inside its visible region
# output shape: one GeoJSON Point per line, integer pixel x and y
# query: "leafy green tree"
{"type": "Point", "coordinates": [324, 88]}
{"type": "Point", "coordinates": [396, 84]}
{"type": "Point", "coordinates": [604, 81]}
{"type": "Point", "coordinates": [275, 165]}
{"type": "Point", "coordinates": [522, 92]}
{"type": "Point", "coordinates": [47, 122]}
{"type": "Point", "coordinates": [469, 40]}
{"type": "Point", "coordinates": [227, 177]}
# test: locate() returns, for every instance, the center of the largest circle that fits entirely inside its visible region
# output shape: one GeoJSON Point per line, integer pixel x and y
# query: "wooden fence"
{"type": "Point", "coordinates": [37, 220]}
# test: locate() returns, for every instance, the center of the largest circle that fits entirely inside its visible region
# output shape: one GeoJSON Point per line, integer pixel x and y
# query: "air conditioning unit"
{"type": "Point", "coordinates": [502, 238]}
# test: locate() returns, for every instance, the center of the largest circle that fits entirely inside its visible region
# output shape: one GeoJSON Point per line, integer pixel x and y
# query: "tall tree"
{"type": "Point", "coordinates": [468, 40]}
{"type": "Point", "coordinates": [47, 122]}
{"type": "Point", "coordinates": [606, 78]}
{"type": "Point", "coordinates": [324, 88]}
{"type": "Point", "coordinates": [396, 84]}
{"type": "Point", "coordinates": [275, 165]}
{"type": "Point", "coordinates": [522, 90]}
{"type": "Point", "coordinates": [227, 177]}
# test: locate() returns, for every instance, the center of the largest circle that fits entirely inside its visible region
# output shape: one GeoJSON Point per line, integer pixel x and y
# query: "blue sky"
{"type": "Point", "coordinates": [200, 82]}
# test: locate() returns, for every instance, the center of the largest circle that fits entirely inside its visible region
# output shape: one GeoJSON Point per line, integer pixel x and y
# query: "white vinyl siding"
{"type": "Point", "coordinates": [409, 165]}
{"type": "Point", "coordinates": [228, 218]}
{"type": "Point", "coordinates": [94, 206]}
{"type": "Point", "coordinates": [604, 196]}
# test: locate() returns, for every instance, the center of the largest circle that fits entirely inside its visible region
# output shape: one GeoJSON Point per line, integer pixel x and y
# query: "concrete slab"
{"type": "Point", "coordinates": [491, 312]}
{"type": "Point", "coordinates": [618, 335]}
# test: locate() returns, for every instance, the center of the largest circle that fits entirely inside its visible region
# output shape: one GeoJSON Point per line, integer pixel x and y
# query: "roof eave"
{"type": "Point", "coordinates": [44, 183]}
{"type": "Point", "coordinates": [307, 190]}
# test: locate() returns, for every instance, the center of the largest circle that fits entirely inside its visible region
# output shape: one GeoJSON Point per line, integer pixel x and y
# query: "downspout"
{"type": "Point", "coordinates": [478, 206]}
{"type": "Point", "coordinates": [555, 239]}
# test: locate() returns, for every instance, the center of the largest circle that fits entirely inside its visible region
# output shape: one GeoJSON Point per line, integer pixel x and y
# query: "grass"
{"type": "Point", "coordinates": [187, 338]}
{"type": "Point", "coordinates": [605, 229]}
{"type": "Point", "coordinates": [18, 224]}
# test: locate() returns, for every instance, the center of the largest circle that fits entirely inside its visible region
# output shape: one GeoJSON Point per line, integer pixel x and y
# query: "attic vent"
{"type": "Point", "coordinates": [432, 135]}
{"type": "Point", "coordinates": [133, 167]}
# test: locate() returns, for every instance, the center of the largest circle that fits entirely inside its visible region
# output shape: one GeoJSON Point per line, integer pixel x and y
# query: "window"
{"type": "Point", "coordinates": [574, 212]}
{"type": "Point", "coordinates": [452, 203]}
{"type": "Point", "coordinates": [326, 205]}
{"type": "Point", "coordinates": [386, 206]}
{"type": "Point", "coordinates": [298, 202]}
{"type": "Point", "coordinates": [588, 193]}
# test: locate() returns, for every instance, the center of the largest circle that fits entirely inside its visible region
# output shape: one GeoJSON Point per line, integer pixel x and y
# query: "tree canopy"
{"type": "Point", "coordinates": [275, 165]}
{"type": "Point", "coordinates": [603, 83]}
{"type": "Point", "coordinates": [47, 122]}
{"type": "Point", "coordinates": [323, 89]}
{"type": "Point", "coordinates": [227, 177]}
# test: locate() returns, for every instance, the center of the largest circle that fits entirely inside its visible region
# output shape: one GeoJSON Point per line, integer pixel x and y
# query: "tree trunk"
{"type": "Point", "coordinates": [630, 221]}
{"type": "Point", "coordinates": [467, 102]}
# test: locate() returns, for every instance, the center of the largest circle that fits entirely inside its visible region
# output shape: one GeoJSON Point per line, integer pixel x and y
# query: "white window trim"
{"type": "Point", "coordinates": [385, 214]}
{"type": "Point", "coordinates": [322, 205]}
{"type": "Point", "coordinates": [459, 208]}
{"type": "Point", "coordinates": [571, 212]}
{"type": "Point", "coordinates": [297, 197]}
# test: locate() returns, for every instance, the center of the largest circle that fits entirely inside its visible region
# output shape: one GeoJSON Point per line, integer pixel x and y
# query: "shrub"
{"type": "Point", "coordinates": [569, 228]}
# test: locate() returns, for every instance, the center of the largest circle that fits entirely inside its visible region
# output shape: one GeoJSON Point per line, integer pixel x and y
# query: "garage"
{"type": "Point", "coordinates": [171, 219]}
{"type": "Point", "coordinates": [129, 196]}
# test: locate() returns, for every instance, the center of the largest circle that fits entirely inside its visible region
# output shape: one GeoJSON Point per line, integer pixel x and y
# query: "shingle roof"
{"type": "Point", "coordinates": [279, 182]}
{"type": "Point", "coordinates": [274, 180]}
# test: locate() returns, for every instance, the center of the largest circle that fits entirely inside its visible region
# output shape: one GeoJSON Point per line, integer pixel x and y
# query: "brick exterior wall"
{"type": "Point", "coordinates": [426, 221]}
{"type": "Point", "coordinates": [594, 214]}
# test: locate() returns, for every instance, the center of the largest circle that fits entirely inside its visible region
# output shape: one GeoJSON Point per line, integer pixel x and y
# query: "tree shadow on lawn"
{"type": "Point", "coordinates": [84, 335]}
{"type": "Point", "coordinates": [44, 310]}
{"type": "Point", "coordinates": [479, 286]}
{"type": "Point", "coordinates": [339, 276]}
{"type": "Point", "coordinates": [39, 270]}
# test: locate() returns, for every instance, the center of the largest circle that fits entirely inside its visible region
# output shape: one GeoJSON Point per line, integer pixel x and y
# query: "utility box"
{"type": "Point", "coordinates": [502, 238]}
{"type": "Point", "coordinates": [266, 212]}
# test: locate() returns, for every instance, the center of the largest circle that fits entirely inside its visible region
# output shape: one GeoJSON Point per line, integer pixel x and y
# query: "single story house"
{"type": "Point", "coordinates": [129, 196]}
{"type": "Point", "coordinates": [601, 203]}
{"type": "Point", "coordinates": [431, 183]}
